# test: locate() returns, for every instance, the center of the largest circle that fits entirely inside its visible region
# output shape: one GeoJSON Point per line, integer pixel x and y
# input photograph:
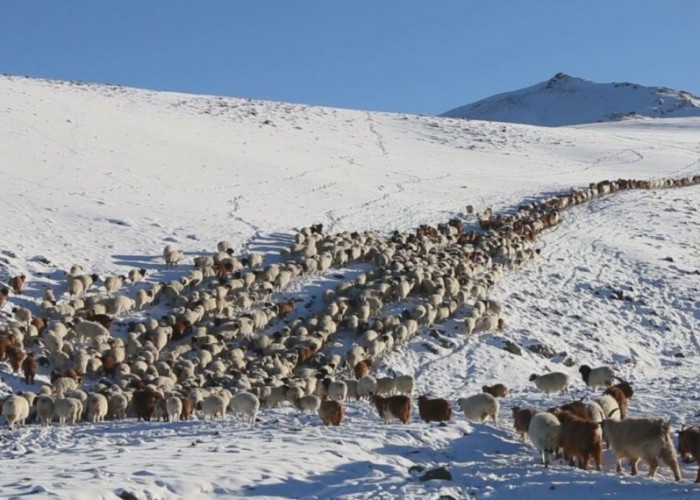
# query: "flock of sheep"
{"type": "Point", "coordinates": [225, 346]}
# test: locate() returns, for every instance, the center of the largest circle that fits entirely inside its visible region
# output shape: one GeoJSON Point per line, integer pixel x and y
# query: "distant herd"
{"type": "Point", "coordinates": [220, 344]}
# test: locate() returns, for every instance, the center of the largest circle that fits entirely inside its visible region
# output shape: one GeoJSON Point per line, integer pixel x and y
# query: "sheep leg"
{"type": "Point", "coordinates": [653, 465]}
{"type": "Point", "coordinates": [633, 464]}
{"type": "Point", "coordinates": [619, 466]}
{"type": "Point", "coordinates": [669, 458]}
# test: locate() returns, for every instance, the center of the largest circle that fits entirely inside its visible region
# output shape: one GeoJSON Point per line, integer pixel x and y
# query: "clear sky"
{"type": "Point", "coordinates": [391, 55]}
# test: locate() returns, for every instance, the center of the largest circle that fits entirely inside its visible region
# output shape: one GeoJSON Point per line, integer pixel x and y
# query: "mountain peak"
{"type": "Point", "coordinates": [569, 100]}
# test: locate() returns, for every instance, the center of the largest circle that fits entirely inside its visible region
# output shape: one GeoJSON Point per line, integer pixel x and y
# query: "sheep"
{"type": "Point", "coordinates": [551, 382]}
{"type": "Point", "coordinates": [496, 390]}
{"type": "Point", "coordinates": [173, 408]}
{"type": "Point", "coordinates": [331, 412]}
{"type": "Point", "coordinates": [90, 330]}
{"type": "Point", "coordinates": [246, 404]}
{"type": "Point", "coordinates": [336, 389]}
{"type": "Point", "coordinates": [212, 406]}
{"type": "Point", "coordinates": [366, 386]}
{"type": "Point", "coordinates": [385, 386]}
{"type": "Point", "coordinates": [67, 410]}
{"type": "Point", "coordinates": [97, 407]}
{"type": "Point", "coordinates": [646, 438]}
{"type": "Point", "coordinates": [609, 406]}
{"type": "Point", "coordinates": [544, 431]}
{"type": "Point", "coordinates": [404, 384]}
{"type": "Point", "coordinates": [225, 246]}
{"type": "Point", "coordinates": [521, 420]}
{"type": "Point", "coordinates": [136, 275]}
{"type": "Point", "coordinates": [44, 409]}
{"type": "Point", "coordinates": [434, 410]}
{"type": "Point", "coordinates": [15, 409]}
{"type": "Point", "coordinates": [310, 403]}
{"type": "Point", "coordinates": [597, 377]}
{"type": "Point", "coordinates": [117, 405]}
{"type": "Point", "coordinates": [398, 407]}
{"type": "Point", "coordinates": [580, 438]}
{"type": "Point", "coordinates": [63, 384]}
{"type": "Point", "coordinates": [114, 283]}
{"type": "Point", "coordinates": [172, 255]}
{"type": "Point", "coordinates": [689, 446]}
{"type": "Point", "coordinates": [480, 407]}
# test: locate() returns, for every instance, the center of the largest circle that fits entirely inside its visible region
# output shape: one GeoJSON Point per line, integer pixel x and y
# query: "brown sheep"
{"type": "Point", "coordinates": [17, 282]}
{"type": "Point", "coordinates": [362, 368]}
{"type": "Point", "coordinates": [496, 390]}
{"type": "Point", "coordinates": [29, 368]}
{"type": "Point", "coordinates": [689, 446]}
{"type": "Point", "coordinates": [434, 410]}
{"type": "Point", "coordinates": [581, 439]}
{"type": "Point", "coordinates": [144, 403]}
{"type": "Point", "coordinates": [521, 420]}
{"type": "Point", "coordinates": [331, 412]}
{"type": "Point", "coordinates": [393, 406]}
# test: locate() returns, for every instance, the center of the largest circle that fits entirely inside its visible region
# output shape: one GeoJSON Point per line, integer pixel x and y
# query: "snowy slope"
{"type": "Point", "coordinates": [566, 100]}
{"type": "Point", "coordinates": [107, 176]}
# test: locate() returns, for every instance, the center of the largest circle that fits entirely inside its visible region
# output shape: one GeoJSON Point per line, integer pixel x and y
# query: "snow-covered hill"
{"type": "Point", "coordinates": [106, 176]}
{"type": "Point", "coordinates": [566, 100]}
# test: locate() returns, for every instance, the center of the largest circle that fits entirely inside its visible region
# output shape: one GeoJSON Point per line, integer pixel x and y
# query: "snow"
{"type": "Point", "coordinates": [106, 176]}
{"type": "Point", "coordinates": [566, 100]}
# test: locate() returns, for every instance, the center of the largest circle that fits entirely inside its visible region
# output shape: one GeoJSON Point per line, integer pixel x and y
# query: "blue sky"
{"type": "Point", "coordinates": [391, 55]}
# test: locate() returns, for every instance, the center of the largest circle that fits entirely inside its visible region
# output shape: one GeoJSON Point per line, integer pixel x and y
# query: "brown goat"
{"type": "Point", "coordinates": [496, 390]}
{"type": "Point", "coordinates": [622, 392]}
{"type": "Point", "coordinates": [15, 355]}
{"type": "Point", "coordinates": [576, 408]}
{"type": "Point", "coordinates": [29, 368]}
{"type": "Point", "coordinates": [393, 406]}
{"type": "Point", "coordinates": [144, 403]}
{"type": "Point", "coordinates": [109, 365]}
{"type": "Point", "coordinates": [17, 282]}
{"type": "Point", "coordinates": [186, 408]}
{"type": "Point", "coordinates": [362, 368]}
{"type": "Point", "coordinates": [285, 308]}
{"type": "Point", "coordinates": [521, 420]}
{"type": "Point", "coordinates": [306, 354]}
{"type": "Point", "coordinates": [4, 292]}
{"type": "Point", "coordinates": [580, 438]}
{"type": "Point", "coordinates": [689, 446]}
{"type": "Point", "coordinates": [434, 410]}
{"type": "Point", "coordinates": [5, 342]}
{"type": "Point", "coordinates": [103, 319]}
{"type": "Point", "coordinates": [331, 412]}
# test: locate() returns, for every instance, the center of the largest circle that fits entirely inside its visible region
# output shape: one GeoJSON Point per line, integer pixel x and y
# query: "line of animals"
{"type": "Point", "coordinates": [224, 344]}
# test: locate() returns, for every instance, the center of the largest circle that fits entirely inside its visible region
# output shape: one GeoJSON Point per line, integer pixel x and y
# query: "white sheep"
{"type": "Point", "coordinates": [245, 403]}
{"type": "Point", "coordinates": [308, 403]}
{"type": "Point", "coordinates": [336, 389]}
{"type": "Point", "coordinates": [550, 383]}
{"type": "Point", "coordinates": [385, 386]}
{"type": "Point", "coordinates": [114, 283]}
{"type": "Point", "coordinates": [366, 386]}
{"type": "Point", "coordinates": [63, 384]}
{"type": "Point", "coordinates": [44, 409]}
{"type": "Point", "coordinates": [602, 376]}
{"type": "Point", "coordinates": [594, 412]}
{"type": "Point", "coordinates": [97, 407]}
{"type": "Point", "coordinates": [479, 407]}
{"type": "Point", "coordinates": [90, 330]}
{"type": "Point", "coordinates": [544, 431]}
{"type": "Point", "coordinates": [121, 304]}
{"type": "Point", "coordinates": [118, 404]}
{"type": "Point", "coordinates": [15, 409]}
{"type": "Point", "coordinates": [67, 410]}
{"type": "Point", "coordinates": [212, 406]}
{"type": "Point", "coordinates": [136, 275]}
{"type": "Point", "coordinates": [173, 406]}
{"type": "Point", "coordinates": [172, 255]}
{"type": "Point", "coordinates": [404, 384]}
{"type": "Point", "coordinates": [225, 246]}
{"type": "Point", "coordinates": [608, 406]}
